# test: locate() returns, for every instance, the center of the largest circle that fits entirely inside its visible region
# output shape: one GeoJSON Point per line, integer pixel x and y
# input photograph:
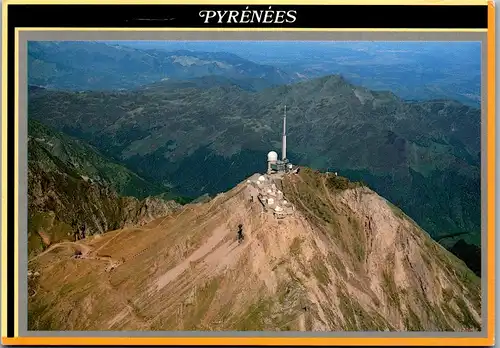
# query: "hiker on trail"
{"type": "Point", "coordinates": [240, 233]}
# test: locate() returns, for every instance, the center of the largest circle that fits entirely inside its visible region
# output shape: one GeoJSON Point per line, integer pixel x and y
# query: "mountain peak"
{"type": "Point", "coordinates": [342, 259]}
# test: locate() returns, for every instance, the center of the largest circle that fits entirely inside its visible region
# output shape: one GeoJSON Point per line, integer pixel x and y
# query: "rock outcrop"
{"type": "Point", "coordinates": [68, 199]}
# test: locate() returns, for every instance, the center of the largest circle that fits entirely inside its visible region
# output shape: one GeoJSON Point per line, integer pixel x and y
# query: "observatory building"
{"type": "Point", "coordinates": [275, 165]}
{"type": "Point", "coordinates": [267, 188]}
{"type": "Point", "coordinates": [272, 161]}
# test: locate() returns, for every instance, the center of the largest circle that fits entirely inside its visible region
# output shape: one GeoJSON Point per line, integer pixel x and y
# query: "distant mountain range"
{"type": "Point", "coordinates": [196, 123]}
{"type": "Point", "coordinates": [98, 66]}
{"type": "Point", "coordinates": [423, 156]}
{"type": "Point", "coordinates": [411, 69]}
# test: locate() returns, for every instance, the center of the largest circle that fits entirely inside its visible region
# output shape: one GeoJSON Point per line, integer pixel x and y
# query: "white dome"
{"type": "Point", "coordinates": [262, 178]}
{"type": "Point", "coordinates": [272, 156]}
{"type": "Point", "coordinates": [278, 208]}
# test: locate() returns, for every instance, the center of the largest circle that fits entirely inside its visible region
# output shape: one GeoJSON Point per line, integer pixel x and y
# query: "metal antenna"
{"type": "Point", "coordinates": [284, 136]}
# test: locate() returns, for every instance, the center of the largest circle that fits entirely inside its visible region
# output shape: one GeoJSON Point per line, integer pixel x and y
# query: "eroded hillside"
{"type": "Point", "coordinates": [73, 191]}
{"type": "Point", "coordinates": [345, 259]}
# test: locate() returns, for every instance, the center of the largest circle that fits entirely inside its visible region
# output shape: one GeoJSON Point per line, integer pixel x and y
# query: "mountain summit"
{"type": "Point", "coordinates": [340, 257]}
{"type": "Point", "coordinates": [207, 135]}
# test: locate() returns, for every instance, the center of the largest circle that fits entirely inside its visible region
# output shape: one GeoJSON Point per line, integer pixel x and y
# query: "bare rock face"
{"type": "Point", "coordinates": [64, 204]}
{"type": "Point", "coordinates": [62, 208]}
{"type": "Point", "coordinates": [345, 260]}
{"type": "Point", "coordinates": [141, 212]}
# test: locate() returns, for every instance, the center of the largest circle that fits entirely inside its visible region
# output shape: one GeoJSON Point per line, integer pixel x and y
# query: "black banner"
{"type": "Point", "coordinates": [300, 16]}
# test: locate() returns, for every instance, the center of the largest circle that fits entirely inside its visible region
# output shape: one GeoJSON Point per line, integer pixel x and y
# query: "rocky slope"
{"type": "Point", "coordinates": [72, 190]}
{"type": "Point", "coordinates": [345, 259]}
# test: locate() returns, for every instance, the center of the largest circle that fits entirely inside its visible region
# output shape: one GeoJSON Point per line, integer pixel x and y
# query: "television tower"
{"type": "Point", "coordinates": [284, 136]}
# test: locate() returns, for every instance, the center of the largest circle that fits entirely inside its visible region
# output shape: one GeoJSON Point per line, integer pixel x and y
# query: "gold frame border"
{"type": "Point", "coordinates": [274, 341]}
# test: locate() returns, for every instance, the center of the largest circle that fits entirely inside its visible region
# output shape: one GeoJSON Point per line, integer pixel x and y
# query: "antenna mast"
{"type": "Point", "coordinates": [284, 136]}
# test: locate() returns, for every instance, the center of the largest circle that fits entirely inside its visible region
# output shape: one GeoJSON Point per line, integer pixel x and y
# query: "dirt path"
{"type": "Point", "coordinates": [108, 241]}
{"type": "Point", "coordinates": [85, 249]}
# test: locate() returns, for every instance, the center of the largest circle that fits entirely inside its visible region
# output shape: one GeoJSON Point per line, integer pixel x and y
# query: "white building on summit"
{"type": "Point", "coordinates": [272, 160]}
{"type": "Point", "coordinates": [265, 189]}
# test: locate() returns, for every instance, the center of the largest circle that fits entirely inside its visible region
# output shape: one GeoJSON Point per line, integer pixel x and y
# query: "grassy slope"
{"type": "Point", "coordinates": [311, 195]}
{"type": "Point", "coordinates": [49, 148]}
